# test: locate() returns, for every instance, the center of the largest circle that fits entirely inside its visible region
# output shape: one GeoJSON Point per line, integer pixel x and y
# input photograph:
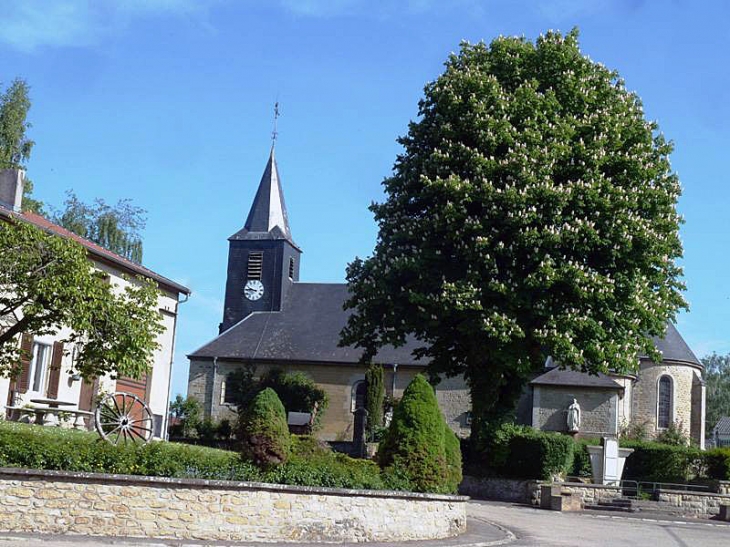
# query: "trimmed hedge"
{"type": "Point", "coordinates": [656, 462]}
{"type": "Point", "coordinates": [310, 463]}
{"type": "Point", "coordinates": [717, 461]}
{"type": "Point", "coordinates": [525, 453]}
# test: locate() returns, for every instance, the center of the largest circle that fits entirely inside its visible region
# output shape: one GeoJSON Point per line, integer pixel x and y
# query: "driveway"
{"type": "Point", "coordinates": [536, 527]}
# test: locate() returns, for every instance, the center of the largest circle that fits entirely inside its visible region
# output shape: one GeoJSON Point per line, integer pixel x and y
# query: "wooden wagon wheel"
{"type": "Point", "coordinates": [124, 417]}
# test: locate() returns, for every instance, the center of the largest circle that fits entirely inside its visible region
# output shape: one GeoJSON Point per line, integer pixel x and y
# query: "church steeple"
{"type": "Point", "coordinates": [263, 260]}
{"type": "Point", "coordinates": [267, 218]}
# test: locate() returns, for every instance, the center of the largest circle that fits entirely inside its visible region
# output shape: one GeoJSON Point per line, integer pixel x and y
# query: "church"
{"type": "Point", "coordinates": [271, 319]}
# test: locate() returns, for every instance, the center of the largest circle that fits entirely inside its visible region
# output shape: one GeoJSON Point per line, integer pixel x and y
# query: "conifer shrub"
{"type": "Point", "coordinates": [375, 399]}
{"type": "Point", "coordinates": [452, 451]}
{"type": "Point", "coordinates": [413, 450]}
{"type": "Point", "coordinates": [264, 433]}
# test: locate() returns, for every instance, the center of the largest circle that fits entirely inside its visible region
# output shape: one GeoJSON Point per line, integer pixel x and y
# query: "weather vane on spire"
{"type": "Point", "coordinates": [275, 133]}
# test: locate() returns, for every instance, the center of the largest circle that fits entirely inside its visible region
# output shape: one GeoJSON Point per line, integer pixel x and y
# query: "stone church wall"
{"type": "Point", "coordinates": [598, 409]}
{"type": "Point", "coordinates": [338, 381]}
{"type": "Point", "coordinates": [644, 408]}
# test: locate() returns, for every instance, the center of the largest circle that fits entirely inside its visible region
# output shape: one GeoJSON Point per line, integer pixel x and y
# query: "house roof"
{"type": "Point", "coordinates": [674, 348]}
{"type": "Point", "coordinates": [574, 378]}
{"type": "Point", "coordinates": [723, 426]}
{"type": "Point", "coordinates": [267, 218]}
{"type": "Point", "coordinates": [307, 329]}
{"type": "Point", "coordinates": [97, 252]}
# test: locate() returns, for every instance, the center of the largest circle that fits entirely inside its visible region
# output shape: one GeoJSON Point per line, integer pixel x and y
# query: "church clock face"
{"type": "Point", "coordinates": [254, 289]}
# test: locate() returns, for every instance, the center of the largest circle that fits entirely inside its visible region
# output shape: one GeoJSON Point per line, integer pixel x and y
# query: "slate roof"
{"type": "Point", "coordinates": [267, 218]}
{"type": "Point", "coordinates": [558, 377]}
{"type": "Point", "coordinates": [674, 348]}
{"type": "Point", "coordinates": [95, 251]}
{"type": "Point", "coordinates": [723, 426]}
{"type": "Point", "coordinates": [307, 329]}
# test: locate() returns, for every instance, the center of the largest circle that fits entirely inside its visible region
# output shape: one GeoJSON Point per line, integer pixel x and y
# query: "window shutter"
{"type": "Point", "coordinates": [54, 375]}
{"type": "Point", "coordinates": [26, 353]}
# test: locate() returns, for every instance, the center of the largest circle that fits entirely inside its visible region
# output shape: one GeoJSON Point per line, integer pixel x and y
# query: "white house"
{"type": "Point", "coordinates": [47, 373]}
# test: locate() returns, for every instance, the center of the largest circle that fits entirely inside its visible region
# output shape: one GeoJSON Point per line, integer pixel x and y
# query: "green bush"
{"type": "Point", "coordinates": [525, 453]}
{"type": "Point", "coordinates": [656, 462]}
{"type": "Point", "coordinates": [311, 463]}
{"type": "Point", "coordinates": [264, 433]}
{"type": "Point", "coordinates": [413, 450]}
{"type": "Point", "coordinates": [452, 451]}
{"type": "Point", "coordinates": [717, 461]}
{"type": "Point", "coordinates": [581, 458]}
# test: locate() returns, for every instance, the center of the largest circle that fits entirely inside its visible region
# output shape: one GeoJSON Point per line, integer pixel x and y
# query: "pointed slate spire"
{"type": "Point", "coordinates": [267, 218]}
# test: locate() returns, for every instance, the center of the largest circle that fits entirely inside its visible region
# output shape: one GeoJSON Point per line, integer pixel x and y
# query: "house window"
{"type": "Point", "coordinates": [291, 267]}
{"type": "Point", "coordinates": [664, 402]}
{"type": "Point", "coordinates": [255, 265]}
{"type": "Point", "coordinates": [39, 366]}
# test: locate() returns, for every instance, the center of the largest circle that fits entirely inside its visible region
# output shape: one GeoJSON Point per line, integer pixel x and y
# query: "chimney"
{"type": "Point", "coordinates": [11, 188]}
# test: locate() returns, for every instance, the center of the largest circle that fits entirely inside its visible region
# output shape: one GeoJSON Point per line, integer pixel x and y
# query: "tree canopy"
{"type": "Point", "coordinates": [717, 382]}
{"type": "Point", "coordinates": [116, 227]}
{"type": "Point", "coordinates": [531, 213]}
{"type": "Point", "coordinates": [15, 146]}
{"type": "Point", "coordinates": [47, 282]}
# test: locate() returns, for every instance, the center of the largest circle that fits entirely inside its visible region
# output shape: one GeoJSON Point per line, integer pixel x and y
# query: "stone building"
{"type": "Point", "coordinates": [661, 394]}
{"type": "Point", "coordinates": [271, 319]}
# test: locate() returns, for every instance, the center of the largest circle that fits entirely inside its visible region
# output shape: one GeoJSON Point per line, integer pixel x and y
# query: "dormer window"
{"type": "Point", "coordinates": [255, 265]}
{"type": "Point", "coordinates": [291, 267]}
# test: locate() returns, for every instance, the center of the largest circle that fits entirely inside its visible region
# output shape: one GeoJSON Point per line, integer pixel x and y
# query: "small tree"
{"type": "Point", "coordinates": [414, 445]}
{"type": "Point", "coordinates": [187, 413]}
{"type": "Point", "coordinates": [47, 282]}
{"type": "Point", "coordinates": [375, 398]}
{"type": "Point", "coordinates": [263, 431]}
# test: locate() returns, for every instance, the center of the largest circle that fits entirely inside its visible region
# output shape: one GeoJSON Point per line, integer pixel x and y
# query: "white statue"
{"type": "Point", "coordinates": [573, 417]}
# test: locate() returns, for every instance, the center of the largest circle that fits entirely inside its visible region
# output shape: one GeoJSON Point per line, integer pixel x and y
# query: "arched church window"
{"type": "Point", "coordinates": [359, 393]}
{"type": "Point", "coordinates": [664, 402]}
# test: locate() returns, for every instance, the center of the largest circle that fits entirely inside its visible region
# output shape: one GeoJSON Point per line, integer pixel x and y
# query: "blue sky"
{"type": "Point", "coordinates": [169, 102]}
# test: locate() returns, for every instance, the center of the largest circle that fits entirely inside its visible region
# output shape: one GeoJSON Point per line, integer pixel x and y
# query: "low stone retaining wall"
{"type": "Point", "coordinates": [590, 494]}
{"type": "Point", "coordinates": [514, 490]}
{"type": "Point", "coordinates": [695, 504]}
{"type": "Point", "coordinates": [149, 507]}
{"type": "Point", "coordinates": [528, 491]}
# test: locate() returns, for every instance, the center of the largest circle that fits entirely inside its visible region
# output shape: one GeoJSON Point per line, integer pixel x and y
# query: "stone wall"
{"type": "Point", "coordinates": [644, 409]}
{"type": "Point", "coordinates": [206, 384]}
{"type": "Point", "coordinates": [695, 504]}
{"type": "Point", "coordinates": [148, 507]}
{"type": "Point", "coordinates": [513, 490]}
{"type": "Point", "coordinates": [598, 409]}
{"type": "Point", "coordinates": [528, 491]}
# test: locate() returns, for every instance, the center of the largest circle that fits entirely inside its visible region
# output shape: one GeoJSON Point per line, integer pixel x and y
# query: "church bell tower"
{"type": "Point", "coordinates": [263, 260]}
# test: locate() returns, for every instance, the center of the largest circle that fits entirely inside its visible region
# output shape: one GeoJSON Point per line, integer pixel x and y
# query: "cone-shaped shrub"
{"type": "Point", "coordinates": [452, 450]}
{"type": "Point", "coordinates": [414, 445]}
{"type": "Point", "coordinates": [264, 433]}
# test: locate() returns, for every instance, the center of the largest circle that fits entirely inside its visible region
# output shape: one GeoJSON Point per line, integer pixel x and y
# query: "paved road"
{"type": "Point", "coordinates": [492, 524]}
{"type": "Point", "coordinates": [535, 527]}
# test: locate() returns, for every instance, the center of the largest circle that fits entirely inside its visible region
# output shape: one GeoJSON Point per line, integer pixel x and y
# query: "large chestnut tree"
{"type": "Point", "coordinates": [532, 212]}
